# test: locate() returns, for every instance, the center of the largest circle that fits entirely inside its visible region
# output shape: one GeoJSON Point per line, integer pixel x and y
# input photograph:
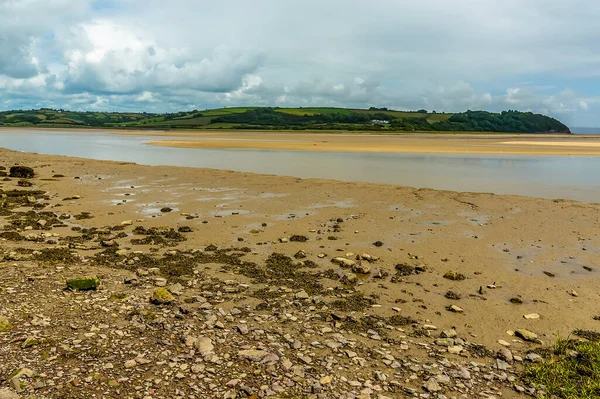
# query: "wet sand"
{"type": "Point", "coordinates": [547, 253]}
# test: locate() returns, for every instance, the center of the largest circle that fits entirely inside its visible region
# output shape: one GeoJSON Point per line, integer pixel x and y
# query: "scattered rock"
{"type": "Point", "coordinates": [166, 209]}
{"type": "Point", "coordinates": [253, 355]}
{"type": "Point", "coordinates": [162, 296]}
{"type": "Point", "coordinates": [361, 268]}
{"type": "Point", "coordinates": [526, 335]}
{"type": "Point", "coordinates": [83, 283]}
{"type": "Point", "coordinates": [432, 385]}
{"type": "Point", "coordinates": [5, 324]}
{"type": "Point", "coordinates": [454, 276]}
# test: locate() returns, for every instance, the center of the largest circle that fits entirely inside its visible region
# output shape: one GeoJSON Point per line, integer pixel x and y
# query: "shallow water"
{"type": "Point", "coordinates": [538, 176]}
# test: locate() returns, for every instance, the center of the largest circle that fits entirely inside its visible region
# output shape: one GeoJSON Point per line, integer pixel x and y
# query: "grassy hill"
{"type": "Point", "coordinates": [314, 118]}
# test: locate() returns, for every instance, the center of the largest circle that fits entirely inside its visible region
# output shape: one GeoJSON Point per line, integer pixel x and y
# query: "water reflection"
{"type": "Point", "coordinates": [540, 176]}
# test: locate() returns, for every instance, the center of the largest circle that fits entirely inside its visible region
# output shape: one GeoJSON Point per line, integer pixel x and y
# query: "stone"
{"type": "Point", "coordinates": [204, 346]}
{"type": "Point", "coordinates": [176, 289]}
{"type": "Point", "coordinates": [455, 309]}
{"type": "Point", "coordinates": [326, 380]}
{"type": "Point", "coordinates": [127, 223]}
{"type": "Point", "coordinates": [83, 283]}
{"type": "Point", "coordinates": [503, 342]}
{"type": "Point", "coordinates": [432, 385]}
{"type": "Point", "coordinates": [448, 334]}
{"type": "Point", "coordinates": [6, 393]}
{"type": "Point", "coordinates": [526, 335]}
{"type": "Point", "coordinates": [302, 295]}
{"type": "Point", "coordinates": [242, 329]}
{"type": "Point", "coordinates": [502, 365]}
{"type": "Point", "coordinates": [531, 316]}
{"type": "Point", "coordinates": [130, 364]}
{"type": "Point", "coordinates": [5, 324]}
{"type": "Point", "coordinates": [455, 349]}
{"type": "Point", "coordinates": [533, 358]}
{"type": "Point", "coordinates": [253, 355]}
{"type": "Point", "coordinates": [343, 262]}
{"type": "Point", "coordinates": [505, 355]}
{"type": "Point", "coordinates": [361, 268]}
{"type": "Point", "coordinates": [161, 296]}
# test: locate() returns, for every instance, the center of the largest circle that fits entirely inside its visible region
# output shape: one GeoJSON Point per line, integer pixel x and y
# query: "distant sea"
{"type": "Point", "coordinates": [585, 130]}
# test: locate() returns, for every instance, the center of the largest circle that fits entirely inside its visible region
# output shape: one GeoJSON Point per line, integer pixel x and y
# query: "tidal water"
{"type": "Point", "coordinates": [536, 176]}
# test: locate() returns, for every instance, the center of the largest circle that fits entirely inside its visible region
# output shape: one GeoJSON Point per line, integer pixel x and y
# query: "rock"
{"type": "Point", "coordinates": [326, 380]}
{"type": "Point", "coordinates": [455, 349]}
{"type": "Point", "coordinates": [176, 289]}
{"type": "Point", "coordinates": [448, 334]}
{"type": "Point", "coordinates": [166, 209]}
{"type": "Point", "coordinates": [109, 243]}
{"type": "Point", "coordinates": [502, 365]}
{"type": "Point", "coordinates": [204, 346]}
{"type": "Point", "coordinates": [526, 335]}
{"type": "Point", "coordinates": [503, 342]}
{"type": "Point", "coordinates": [455, 309]}
{"type": "Point", "coordinates": [42, 222]}
{"type": "Point", "coordinates": [444, 341]}
{"type": "Point", "coordinates": [361, 268]}
{"type": "Point", "coordinates": [130, 364]}
{"type": "Point", "coordinates": [505, 355]}
{"type": "Point", "coordinates": [253, 355]}
{"type": "Point", "coordinates": [574, 293]}
{"type": "Point", "coordinates": [533, 358]}
{"type": "Point", "coordinates": [83, 283]}
{"type": "Point", "coordinates": [429, 327]}
{"type": "Point", "coordinates": [300, 255]}
{"type": "Point", "coordinates": [29, 342]}
{"type": "Point", "coordinates": [462, 373]}
{"type": "Point", "coordinates": [5, 324]}
{"type": "Point", "coordinates": [6, 393]}
{"type": "Point", "coordinates": [432, 385]}
{"type": "Point", "coordinates": [127, 223]}
{"type": "Point", "coordinates": [242, 328]}
{"type": "Point", "coordinates": [21, 172]}
{"type": "Point", "coordinates": [161, 296]}
{"type": "Point", "coordinates": [302, 295]}
{"type": "Point", "coordinates": [454, 276]}
{"type": "Point", "coordinates": [378, 244]}
{"type": "Point", "coordinates": [343, 262]}
{"type": "Point", "coordinates": [531, 316]}
{"type": "Point", "coordinates": [24, 183]}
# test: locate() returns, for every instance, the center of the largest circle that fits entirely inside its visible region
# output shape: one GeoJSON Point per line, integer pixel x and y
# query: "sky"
{"type": "Point", "coordinates": [164, 56]}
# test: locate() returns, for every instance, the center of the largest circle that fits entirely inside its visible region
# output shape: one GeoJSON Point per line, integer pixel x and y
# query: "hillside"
{"type": "Point", "coordinates": [373, 119]}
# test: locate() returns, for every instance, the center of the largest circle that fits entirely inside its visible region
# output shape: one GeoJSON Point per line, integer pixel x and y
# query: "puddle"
{"type": "Point", "coordinates": [230, 212]}
{"type": "Point", "coordinates": [334, 204]}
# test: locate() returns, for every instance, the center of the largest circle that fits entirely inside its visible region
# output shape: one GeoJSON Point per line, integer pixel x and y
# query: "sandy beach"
{"type": "Point", "coordinates": [388, 272]}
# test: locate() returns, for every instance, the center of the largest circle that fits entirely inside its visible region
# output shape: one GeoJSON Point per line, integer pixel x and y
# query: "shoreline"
{"type": "Point", "coordinates": [500, 247]}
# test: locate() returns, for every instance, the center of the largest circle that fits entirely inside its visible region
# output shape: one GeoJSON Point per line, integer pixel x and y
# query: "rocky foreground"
{"type": "Point", "coordinates": [98, 300]}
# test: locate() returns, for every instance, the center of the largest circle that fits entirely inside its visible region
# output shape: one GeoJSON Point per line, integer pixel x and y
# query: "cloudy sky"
{"type": "Point", "coordinates": [447, 55]}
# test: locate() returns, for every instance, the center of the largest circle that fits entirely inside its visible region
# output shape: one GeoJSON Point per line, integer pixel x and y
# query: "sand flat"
{"type": "Point", "coordinates": [414, 143]}
{"type": "Point", "coordinates": [544, 252]}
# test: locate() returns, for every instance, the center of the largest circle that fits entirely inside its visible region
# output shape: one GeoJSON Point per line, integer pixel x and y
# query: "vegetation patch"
{"type": "Point", "coordinates": [354, 303]}
{"type": "Point", "coordinates": [572, 371]}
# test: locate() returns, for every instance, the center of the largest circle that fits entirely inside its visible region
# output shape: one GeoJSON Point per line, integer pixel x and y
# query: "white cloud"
{"type": "Point", "coordinates": [439, 54]}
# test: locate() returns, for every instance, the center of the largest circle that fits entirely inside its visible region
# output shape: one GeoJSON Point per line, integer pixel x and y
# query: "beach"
{"type": "Point", "coordinates": [360, 288]}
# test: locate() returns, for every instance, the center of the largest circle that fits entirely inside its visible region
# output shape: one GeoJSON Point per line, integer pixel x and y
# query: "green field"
{"type": "Point", "coordinates": [292, 119]}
